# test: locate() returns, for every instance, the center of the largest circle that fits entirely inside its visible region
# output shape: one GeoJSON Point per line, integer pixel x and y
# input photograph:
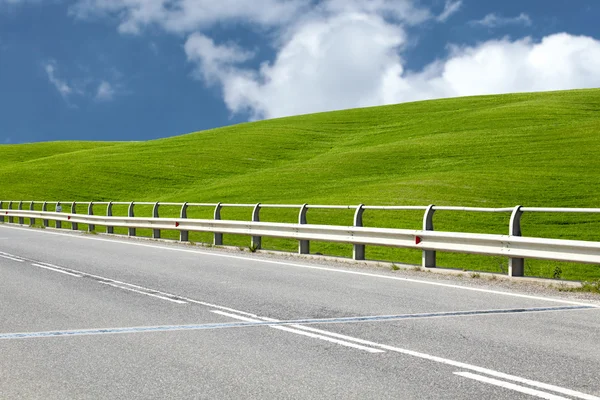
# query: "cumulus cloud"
{"type": "Point", "coordinates": [354, 60]}
{"type": "Point", "coordinates": [334, 63]}
{"type": "Point", "coordinates": [450, 8]}
{"type": "Point", "coordinates": [335, 54]}
{"type": "Point", "coordinates": [493, 20]}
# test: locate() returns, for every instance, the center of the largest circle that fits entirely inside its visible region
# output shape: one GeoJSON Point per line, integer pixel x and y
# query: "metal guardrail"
{"type": "Point", "coordinates": [513, 245]}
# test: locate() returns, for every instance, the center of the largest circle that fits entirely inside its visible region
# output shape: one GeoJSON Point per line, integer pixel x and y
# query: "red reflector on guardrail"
{"type": "Point", "coordinates": [418, 239]}
{"type": "Point", "coordinates": [69, 217]}
{"type": "Point", "coordinates": [176, 224]}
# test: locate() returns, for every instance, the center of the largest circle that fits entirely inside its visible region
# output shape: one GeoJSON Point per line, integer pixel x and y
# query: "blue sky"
{"type": "Point", "coordinates": [145, 69]}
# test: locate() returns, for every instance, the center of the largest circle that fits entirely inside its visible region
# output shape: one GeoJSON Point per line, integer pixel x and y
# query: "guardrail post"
{"type": "Point", "coordinates": [131, 214]}
{"type": "Point", "coordinates": [74, 225]}
{"type": "Point", "coordinates": [516, 266]}
{"type": "Point", "coordinates": [358, 252]}
{"type": "Point", "coordinates": [428, 258]}
{"type": "Point", "coordinates": [218, 237]}
{"type": "Point", "coordinates": [21, 219]}
{"type": "Point", "coordinates": [155, 232]}
{"type": "Point", "coordinates": [1, 215]}
{"type": "Point", "coordinates": [109, 213]}
{"type": "Point", "coordinates": [31, 220]}
{"type": "Point", "coordinates": [10, 218]}
{"type": "Point", "coordinates": [256, 240]}
{"type": "Point", "coordinates": [184, 236]}
{"type": "Point", "coordinates": [304, 245]}
{"type": "Point", "coordinates": [45, 222]}
{"type": "Point", "coordinates": [91, 227]}
{"type": "Point", "coordinates": [57, 209]}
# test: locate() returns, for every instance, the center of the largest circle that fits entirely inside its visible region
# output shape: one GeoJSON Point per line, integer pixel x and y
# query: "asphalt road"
{"type": "Point", "coordinates": [95, 317]}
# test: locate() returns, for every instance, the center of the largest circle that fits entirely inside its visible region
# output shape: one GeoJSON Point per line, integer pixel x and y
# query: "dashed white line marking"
{"type": "Point", "coordinates": [145, 293]}
{"type": "Point", "coordinates": [303, 333]}
{"type": "Point", "coordinates": [511, 386]}
{"type": "Point", "coordinates": [56, 270]}
{"type": "Point", "coordinates": [335, 270]}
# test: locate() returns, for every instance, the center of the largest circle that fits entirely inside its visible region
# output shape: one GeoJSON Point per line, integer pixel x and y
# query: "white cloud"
{"type": "Point", "coordinates": [335, 54]}
{"type": "Point", "coordinates": [105, 91]}
{"type": "Point", "coordinates": [327, 64]}
{"type": "Point", "coordinates": [62, 86]}
{"type": "Point", "coordinates": [450, 8]}
{"type": "Point", "coordinates": [493, 20]}
{"type": "Point", "coordinates": [354, 60]}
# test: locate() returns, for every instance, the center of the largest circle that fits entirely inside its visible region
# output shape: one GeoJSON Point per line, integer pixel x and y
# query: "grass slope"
{"type": "Point", "coordinates": [538, 149]}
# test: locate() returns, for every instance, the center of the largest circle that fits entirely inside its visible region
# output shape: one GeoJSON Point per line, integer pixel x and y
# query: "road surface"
{"type": "Point", "coordinates": [91, 317]}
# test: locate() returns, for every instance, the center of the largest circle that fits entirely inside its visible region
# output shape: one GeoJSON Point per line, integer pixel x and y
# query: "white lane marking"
{"type": "Point", "coordinates": [141, 292]}
{"type": "Point", "coordinates": [462, 365]}
{"type": "Point", "coordinates": [341, 271]}
{"type": "Point", "coordinates": [299, 332]}
{"type": "Point", "coordinates": [511, 386]}
{"type": "Point", "coordinates": [11, 258]}
{"type": "Point", "coordinates": [56, 270]}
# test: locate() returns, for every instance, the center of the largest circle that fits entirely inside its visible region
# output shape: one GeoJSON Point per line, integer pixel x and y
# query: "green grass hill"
{"type": "Point", "coordinates": [539, 149]}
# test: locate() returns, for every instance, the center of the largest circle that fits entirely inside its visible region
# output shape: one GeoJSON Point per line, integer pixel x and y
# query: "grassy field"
{"type": "Point", "coordinates": [537, 149]}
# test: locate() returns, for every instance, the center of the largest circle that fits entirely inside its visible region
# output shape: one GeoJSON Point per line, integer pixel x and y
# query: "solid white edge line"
{"type": "Point", "coordinates": [56, 270]}
{"type": "Point", "coordinates": [302, 333]}
{"type": "Point", "coordinates": [342, 271]}
{"type": "Point", "coordinates": [140, 292]}
{"type": "Point", "coordinates": [511, 386]}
